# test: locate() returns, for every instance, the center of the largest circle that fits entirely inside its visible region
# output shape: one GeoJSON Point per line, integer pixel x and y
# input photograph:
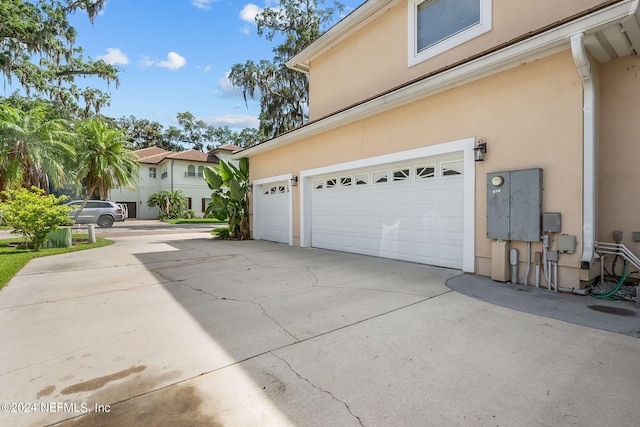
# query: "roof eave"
{"type": "Point", "coordinates": [361, 16]}
{"type": "Point", "coordinates": [527, 50]}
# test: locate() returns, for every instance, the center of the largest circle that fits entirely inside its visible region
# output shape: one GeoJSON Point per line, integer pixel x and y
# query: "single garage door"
{"type": "Point", "coordinates": [273, 215]}
{"type": "Point", "coordinates": [410, 211]}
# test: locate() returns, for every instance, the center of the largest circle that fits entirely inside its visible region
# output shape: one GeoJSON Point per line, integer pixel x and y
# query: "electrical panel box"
{"type": "Point", "coordinates": [567, 243]}
{"type": "Point", "coordinates": [552, 222]}
{"type": "Point", "coordinates": [514, 205]}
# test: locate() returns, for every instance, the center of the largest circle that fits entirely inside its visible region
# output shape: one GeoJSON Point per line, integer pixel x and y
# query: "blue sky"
{"type": "Point", "coordinates": [175, 56]}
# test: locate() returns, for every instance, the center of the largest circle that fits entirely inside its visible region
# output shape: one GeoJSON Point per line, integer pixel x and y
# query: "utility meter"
{"type": "Point", "coordinates": [497, 181]}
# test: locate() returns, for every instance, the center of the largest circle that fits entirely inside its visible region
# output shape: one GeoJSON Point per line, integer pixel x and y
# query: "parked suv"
{"type": "Point", "coordinates": [101, 212]}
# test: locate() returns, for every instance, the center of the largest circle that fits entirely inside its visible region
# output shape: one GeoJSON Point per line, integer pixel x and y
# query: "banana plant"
{"type": "Point", "coordinates": [230, 197]}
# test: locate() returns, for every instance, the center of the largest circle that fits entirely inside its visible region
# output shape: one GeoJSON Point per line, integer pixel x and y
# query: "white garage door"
{"type": "Point", "coordinates": [273, 215]}
{"type": "Point", "coordinates": [411, 211]}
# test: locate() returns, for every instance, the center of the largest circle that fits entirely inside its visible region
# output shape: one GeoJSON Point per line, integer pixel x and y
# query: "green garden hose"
{"type": "Point", "coordinates": [611, 295]}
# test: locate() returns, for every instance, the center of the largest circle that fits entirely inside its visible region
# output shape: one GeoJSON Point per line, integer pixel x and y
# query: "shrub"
{"type": "Point", "coordinates": [230, 198]}
{"type": "Point", "coordinates": [33, 215]}
{"type": "Point", "coordinates": [171, 203]}
{"type": "Point", "coordinates": [222, 232]}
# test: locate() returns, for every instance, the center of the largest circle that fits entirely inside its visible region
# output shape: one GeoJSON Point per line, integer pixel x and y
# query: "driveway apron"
{"type": "Point", "coordinates": [183, 329]}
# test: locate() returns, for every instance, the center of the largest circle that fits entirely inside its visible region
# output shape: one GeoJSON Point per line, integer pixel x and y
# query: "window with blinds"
{"type": "Point", "coordinates": [438, 25]}
{"type": "Point", "coordinates": [440, 19]}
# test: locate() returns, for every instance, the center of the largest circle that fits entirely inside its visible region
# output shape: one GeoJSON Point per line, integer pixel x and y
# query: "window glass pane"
{"type": "Point", "coordinates": [400, 174]}
{"type": "Point", "coordinates": [423, 172]}
{"type": "Point", "coordinates": [331, 183]}
{"type": "Point", "coordinates": [345, 181]}
{"type": "Point", "coordinates": [453, 168]}
{"type": "Point", "coordinates": [380, 177]}
{"type": "Point", "coordinates": [282, 189]}
{"type": "Point", "coordinates": [318, 185]}
{"type": "Point", "coordinates": [273, 190]}
{"type": "Point", "coordinates": [362, 179]}
{"type": "Point", "coordinates": [438, 20]}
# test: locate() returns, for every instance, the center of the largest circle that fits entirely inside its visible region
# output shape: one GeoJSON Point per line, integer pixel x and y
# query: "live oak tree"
{"type": "Point", "coordinates": [143, 133]}
{"type": "Point", "coordinates": [284, 93]}
{"type": "Point", "coordinates": [37, 50]}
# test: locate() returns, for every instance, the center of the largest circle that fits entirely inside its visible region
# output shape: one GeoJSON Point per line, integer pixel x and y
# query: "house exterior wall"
{"type": "Point", "coordinates": [374, 59]}
{"type": "Point", "coordinates": [192, 186]}
{"type": "Point", "coordinates": [176, 179]}
{"type": "Point", "coordinates": [141, 192]}
{"type": "Point", "coordinates": [619, 151]}
{"type": "Point", "coordinates": [531, 117]}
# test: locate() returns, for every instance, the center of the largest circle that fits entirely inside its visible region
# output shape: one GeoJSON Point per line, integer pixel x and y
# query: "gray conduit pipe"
{"type": "Point", "coordinates": [526, 275]}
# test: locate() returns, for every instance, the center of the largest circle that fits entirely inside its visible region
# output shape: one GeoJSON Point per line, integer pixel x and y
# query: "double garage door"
{"type": "Point", "coordinates": [411, 211]}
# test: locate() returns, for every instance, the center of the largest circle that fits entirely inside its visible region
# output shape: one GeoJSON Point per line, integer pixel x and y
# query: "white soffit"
{"type": "Point", "coordinates": [553, 41]}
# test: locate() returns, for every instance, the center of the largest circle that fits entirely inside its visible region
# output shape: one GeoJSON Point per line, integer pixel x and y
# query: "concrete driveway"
{"type": "Point", "coordinates": [182, 329]}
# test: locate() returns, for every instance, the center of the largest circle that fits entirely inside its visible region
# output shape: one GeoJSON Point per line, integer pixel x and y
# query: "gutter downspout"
{"type": "Point", "coordinates": [171, 174]}
{"type": "Point", "coordinates": [589, 150]}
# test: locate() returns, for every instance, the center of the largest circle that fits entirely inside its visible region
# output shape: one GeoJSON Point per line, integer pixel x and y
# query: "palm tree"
{"type": "Point", "coordinates": [172, 203]}
{"type": "Point", "coordinates": [33, 148]}
{"type": "Point", "coordinates": [102, 161]}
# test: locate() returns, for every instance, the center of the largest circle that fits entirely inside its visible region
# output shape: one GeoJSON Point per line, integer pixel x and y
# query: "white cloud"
{"type": "Point", "coordinates": [237, 121]}
{"type": "Point", "coordinates": [245, 29]}
{"type": "Point", "coordinates": [114, 56]}
{"type": "Point", "coordinates": [249, 12]}
{"type": "Point", "coordinates": [203, 4]}
{"type": "Point", "coordinates": [226, 89]}
{"type": "Point", "coordinates": [145, 62]}
{"type": "Point", "coordinates": [173, 62]}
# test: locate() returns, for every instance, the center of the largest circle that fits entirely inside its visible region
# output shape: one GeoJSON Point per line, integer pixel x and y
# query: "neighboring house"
{"type": "Point", "coordinates": [162, 170]}
{"type": "Point", "coordinates": [401, 92]}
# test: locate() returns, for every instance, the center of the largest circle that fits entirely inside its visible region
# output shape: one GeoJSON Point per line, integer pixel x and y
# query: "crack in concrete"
{"type": "Point", "coordinates": [151, 285]}
{"type": "Point", "coordinates": [90, 345]}
{"type": "Point", "coordinates": [314, 284]}
{"type": "Point", "coordinates": [308, 381]}
{"type": "Point", "coordinates": [183, 283]}
{"type": "Point", "coordinates": [257, 355]}
{"type": "Point", "coordinates": [296, 339]}
{"type": "Point", "coordinates": [264, 312]}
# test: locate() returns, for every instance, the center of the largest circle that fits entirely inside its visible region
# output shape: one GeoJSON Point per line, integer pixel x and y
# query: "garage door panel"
{"type": "Point", "coordinates": [274, 215]}
{"type": "Point", "coordinates": [414, 219]}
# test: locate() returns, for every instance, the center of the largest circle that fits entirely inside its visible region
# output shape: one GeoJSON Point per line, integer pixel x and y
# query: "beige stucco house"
{"type": "Point", "coordinates": [163, 170]}
{"type": "Point", "coordinates": [403, 91]}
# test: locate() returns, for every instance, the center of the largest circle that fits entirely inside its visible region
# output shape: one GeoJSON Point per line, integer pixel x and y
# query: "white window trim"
{"type": "Point", "coordinates": [256, 196]}
{"type": "Point", "coordinates": [416, 57]}
{"type": "Point", "coordinates": [465, 145]}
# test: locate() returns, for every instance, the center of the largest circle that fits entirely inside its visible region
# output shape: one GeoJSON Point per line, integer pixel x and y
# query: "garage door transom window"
{"type": "Point", "coordinates": [278, 189]}
{"type": "Point", "coordinates": [398, 176]}
{"type": "Point", "coordinates": [452, 168]}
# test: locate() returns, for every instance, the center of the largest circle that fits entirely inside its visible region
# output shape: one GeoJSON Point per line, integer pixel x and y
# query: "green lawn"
{"type": "Point", "coordinates": [12, 259]}
{"type": "Point", "coordinates": [194, 221]}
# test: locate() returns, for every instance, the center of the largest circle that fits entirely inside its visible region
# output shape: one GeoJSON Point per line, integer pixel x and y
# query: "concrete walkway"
{"type": "Point", "coordinates": [182, 329]}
